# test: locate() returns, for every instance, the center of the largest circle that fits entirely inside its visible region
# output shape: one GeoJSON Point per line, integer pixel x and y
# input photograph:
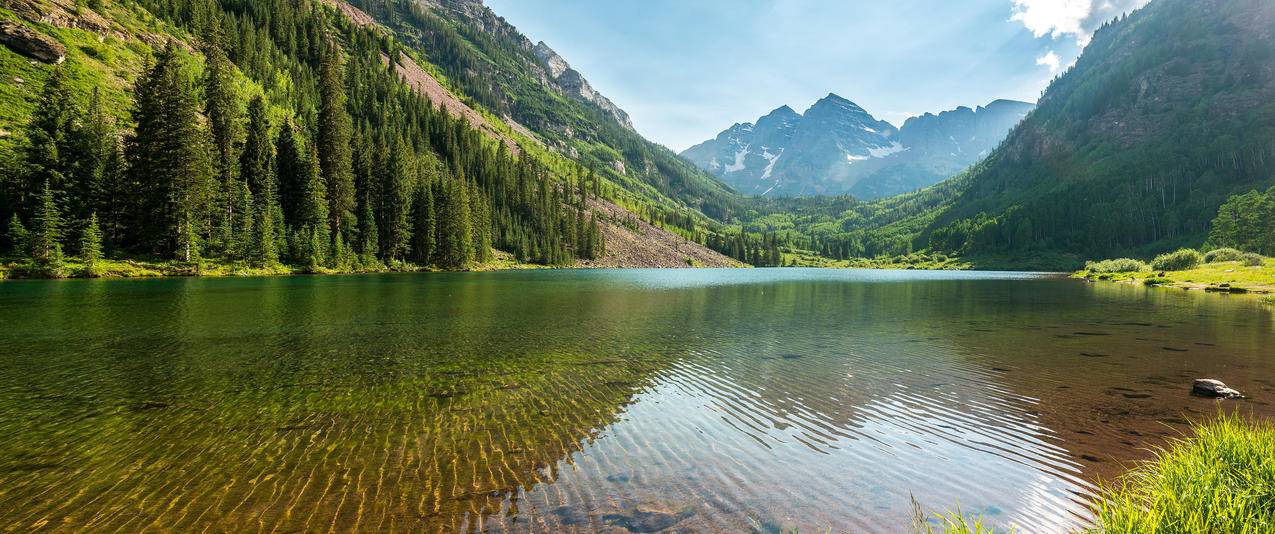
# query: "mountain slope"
{"type": "Point", "coordinates": [422, 174]}
{"type": "Point", "coordinates": [836, 147]}
{"type": "Point", "coordinates": [500, 69]}
{"type": "Point", "coordinates": [1167, 112]}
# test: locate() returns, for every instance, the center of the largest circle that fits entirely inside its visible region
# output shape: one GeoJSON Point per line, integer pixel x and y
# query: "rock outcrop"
{"type": "Point", "coordinates": [572, 84]}
{"type": "Point", "coordinates": [31, 43]}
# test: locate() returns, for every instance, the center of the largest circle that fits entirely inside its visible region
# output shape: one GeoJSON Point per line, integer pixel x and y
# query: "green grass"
{"type": "Point", "coordinates": [1232, 276]}
{"type": "Point", "coordinates": [140, 268]}
{"type": "Point", "coordinates": [919, 260]}
{"type": "Point", "coordinates": [1220, 480]}
{"type": "Point", "coordinates": [949, 523]}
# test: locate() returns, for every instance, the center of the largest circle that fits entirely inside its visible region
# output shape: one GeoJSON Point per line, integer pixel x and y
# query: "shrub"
{"type": "Point", "coordinates": [1156, 280]}
{"type": "Point", "coordinates": [1222, 254]}
{"type": "Point", "coordinates": [1220, 480]}
{"type": "Point", "coordinates": [1252, 260]}
{"type": "Point", "coordinates": [1118, 265]}
{"type": "Point", "coordinates": [1181, 260]}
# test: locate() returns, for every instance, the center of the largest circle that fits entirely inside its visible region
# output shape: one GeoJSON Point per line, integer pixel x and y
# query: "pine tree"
{"type": "Point", "coordinates": [335, 151]}
{"type": "Point", "coordinates": [96, 144]}
{"type": "Point", "coordinates": [19, 237]}
{"type": "Point", "coordinates": [313, 215]}
{"type": "Point", "coordinates": [397, 204]}
{"type": "Point", "coordinates": [266, 247]}
{"type": "Point", "coordinates": [454, 244]}
{"type": "Point", "coordinates": [221, 106]}
{"type": "Point", "coordinates": [369, 233]}
{"type": "Point", "coordinates": [49, 150]}
{"type": "Point", "coordinates": [46, 236]}
{"type": "Point", "coordinates": [292, 174]}
{"type": "Point", "coordinates": [423, 219]}
{"type": "Point", "coordinates": [91, 245]}
{"type": "Point", "coordinates": [256, 159]}
{"type": "Point", "coordinates": [171, 164]}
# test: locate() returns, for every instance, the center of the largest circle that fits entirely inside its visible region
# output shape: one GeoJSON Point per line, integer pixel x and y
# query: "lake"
{"type": "Point", "coordinates": [627, 400]}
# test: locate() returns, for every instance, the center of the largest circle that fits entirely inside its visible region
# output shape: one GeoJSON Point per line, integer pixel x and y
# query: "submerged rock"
{"type": "Point", "coordinates": [1206, 387]}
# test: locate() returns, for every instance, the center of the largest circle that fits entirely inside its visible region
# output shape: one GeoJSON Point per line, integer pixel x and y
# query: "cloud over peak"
{"type": "Point", "coordinates": [1078, 18]}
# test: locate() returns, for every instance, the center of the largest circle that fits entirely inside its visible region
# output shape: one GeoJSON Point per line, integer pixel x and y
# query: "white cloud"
{"type": "Point", "coordinates": [1050, 60]}
{"type": "Point", "coordinates": [1078, 18]}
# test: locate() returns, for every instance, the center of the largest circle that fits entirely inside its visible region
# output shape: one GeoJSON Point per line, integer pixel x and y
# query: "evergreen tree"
{"type": "Point", "coordinates": [256, 159]}
{"type": "Point", "coordinates": [46, 236]}
{"type": "Point", "coordinates": [19, 237]}
{"type": "Point", "coordinates": [370, 246]}
{"type": "Point", "coordinates": [96, 145]}
{"type": "Point", "coordinates": [423, 231]}
{"type": "Point", "coordinates": [221, 106]}
{"type": "Point", "coordinates": [49, 150]}
{"type": "Point", "coordinates": [170, 159]}
{"type": "Point", "coordinates": [335, 151]}
{"type": "Point", "coordinates": [454, 238]}
{"type": "Point", "coordinates": [397, 204]}
{"type": "Point", "coordinates": [91, 245]}
{"type": "Point", "coordinates": [292, 172]}
{"type": "Point", "coordinates": [313, 215]}
{"type": "Point", "coordinates": [266, 247]}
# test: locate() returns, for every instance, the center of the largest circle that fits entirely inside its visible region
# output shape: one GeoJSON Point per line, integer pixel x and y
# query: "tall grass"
{"type": "Point", "coordinates": [1180, 260]}
{"type": "Point", "coordinates": [949, 523]}
{"type": "Point", "coordinates": [1220, 480]}
{"type": "Point", "coordinates": [1118, 265]}
{"type": "Point", "coordinates": [1223, 254]}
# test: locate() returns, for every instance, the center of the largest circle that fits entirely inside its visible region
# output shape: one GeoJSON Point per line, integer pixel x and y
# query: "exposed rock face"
{"type": "Point", "coordinates": [31, 43]}
{"type": "Point", "coordinates": [836, 147]}
{"type": "Point", "coordinates": [572, 84]}
{"type": "Point", "coordinates": [1206, 387]}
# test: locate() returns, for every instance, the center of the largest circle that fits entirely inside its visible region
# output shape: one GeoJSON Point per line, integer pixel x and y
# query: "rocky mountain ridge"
{"type": "Point", "coordinates": [837, 147]}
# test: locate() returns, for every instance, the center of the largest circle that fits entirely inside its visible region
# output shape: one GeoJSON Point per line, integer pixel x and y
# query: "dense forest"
{"type": "Point", "coordinates": [344, 168]}
{"type": "Point", "coordinates": [1246, 222]}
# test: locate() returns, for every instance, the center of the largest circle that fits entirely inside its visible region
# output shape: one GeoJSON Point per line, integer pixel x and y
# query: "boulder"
{"type": "Point", "coordinates": [31, 43]}
{"type": "Point", "coordinates": [1215, 389]}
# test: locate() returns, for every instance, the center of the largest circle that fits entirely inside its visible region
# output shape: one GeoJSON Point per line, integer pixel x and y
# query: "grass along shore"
{"type": "Point", "coordinates": [1221, 270]}
{"type": "Point", "coordinates": [1220, 479]}
{"type": "Point", "coordinates": [15, 268]}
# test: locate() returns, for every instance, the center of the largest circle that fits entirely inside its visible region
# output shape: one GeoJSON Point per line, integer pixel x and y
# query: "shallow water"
{"type": "Point", "coordinates": [628, 401]}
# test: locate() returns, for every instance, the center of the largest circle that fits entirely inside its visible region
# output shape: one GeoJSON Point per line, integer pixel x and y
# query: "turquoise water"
{"type": "Point", "coordinates": [629, 400]}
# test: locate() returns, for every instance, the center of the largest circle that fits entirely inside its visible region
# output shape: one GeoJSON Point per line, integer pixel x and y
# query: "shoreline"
{"type": "Point", "coordinates": [1221, 277]}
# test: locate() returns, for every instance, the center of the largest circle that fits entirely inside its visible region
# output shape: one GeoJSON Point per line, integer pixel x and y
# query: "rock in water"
{"type": "Point", "coordinates": [1207, 387]}
{"type": "Point", "coordinates": [31, 43]}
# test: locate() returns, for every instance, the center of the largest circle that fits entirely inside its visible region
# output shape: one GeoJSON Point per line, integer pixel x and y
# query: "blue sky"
{"type": "Point", "coordinates": [687, 69]}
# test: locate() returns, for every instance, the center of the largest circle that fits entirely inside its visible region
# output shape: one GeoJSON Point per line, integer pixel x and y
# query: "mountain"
{"type": "Point", "coordinates": [535, 91]}
{"type": "Point", "coordinates": [1128, 153]}
{"type": "Point", "coordinates": [836, 147]}
{"type": "Point", "coordinates": [368, 134]}
{"type": "Point", "coordinates": [1133, 149]}
{"type": "Point", "coordinates": [572, 84]}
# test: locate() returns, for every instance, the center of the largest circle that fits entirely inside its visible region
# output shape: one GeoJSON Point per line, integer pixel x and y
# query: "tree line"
{"type": "Point", "coordinates": [333, 164]}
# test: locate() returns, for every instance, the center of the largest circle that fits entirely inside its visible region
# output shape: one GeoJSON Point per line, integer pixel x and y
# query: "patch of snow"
{"type": "Point", "coordinates": [867, 129]}
{"type": "Point", "coordinates": [739, 161]}
{"type": "Point", "coordinates": [714, 164]}
{"type": "Point", "coordinates": [772, 188]}
{"type": "Point", "coordinates": [770, 166]}
{"type": "Point", "coordinates": [881, 152]}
